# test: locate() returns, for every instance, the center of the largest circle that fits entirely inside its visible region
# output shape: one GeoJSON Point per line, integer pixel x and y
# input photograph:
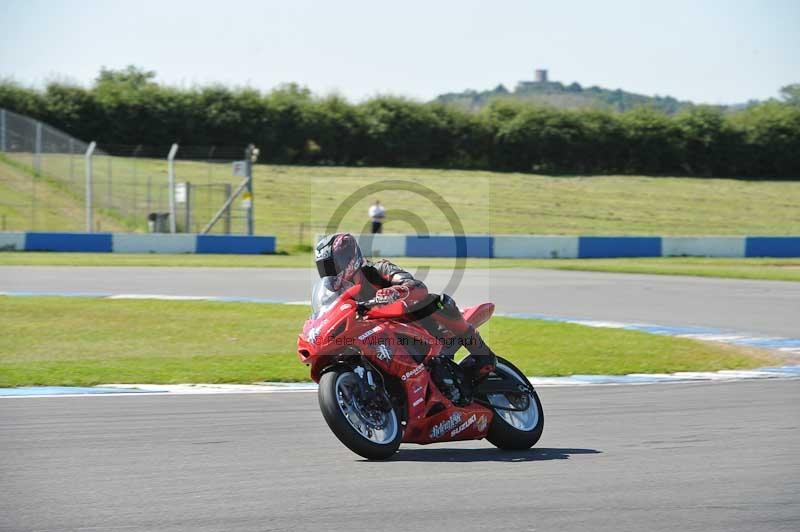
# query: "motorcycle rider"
{"type": "Point", "coordinates": [383, 283]}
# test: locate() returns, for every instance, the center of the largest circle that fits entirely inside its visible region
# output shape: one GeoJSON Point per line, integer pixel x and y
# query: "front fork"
{"type": "Point", "coordinates": [366, 381]}
{"type": "Point", "coordinates": [372, 386]}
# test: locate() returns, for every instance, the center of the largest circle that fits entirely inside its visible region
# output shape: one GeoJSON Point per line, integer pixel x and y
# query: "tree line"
{"type": "Point", "coordinates": [292, 126]}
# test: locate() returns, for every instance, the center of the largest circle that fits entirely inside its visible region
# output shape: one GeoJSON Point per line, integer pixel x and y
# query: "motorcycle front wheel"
{"type": "Point", "coordinates": [366, 427]}
{"type": "Point", "coordinates": [518, 419]}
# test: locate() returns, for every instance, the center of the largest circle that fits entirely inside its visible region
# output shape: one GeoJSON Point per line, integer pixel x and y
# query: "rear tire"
{"type": "Point", "coordinates": [503, 434]}
{"type": "Point", "coordinates": [334, 404]}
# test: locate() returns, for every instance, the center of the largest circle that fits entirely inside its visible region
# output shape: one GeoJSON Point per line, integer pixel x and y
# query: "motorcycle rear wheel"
{"type": "Point", "coordinates": [515, 430]}
{"type": "Point", "coordinates": [373, 435]}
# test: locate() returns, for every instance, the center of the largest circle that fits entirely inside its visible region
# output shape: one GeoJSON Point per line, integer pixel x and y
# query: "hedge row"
{"type": "Point", "coordinates": [291, 126]}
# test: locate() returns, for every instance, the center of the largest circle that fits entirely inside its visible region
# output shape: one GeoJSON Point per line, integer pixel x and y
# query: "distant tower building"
{"type": "Point", "coordinates": [541, 76]}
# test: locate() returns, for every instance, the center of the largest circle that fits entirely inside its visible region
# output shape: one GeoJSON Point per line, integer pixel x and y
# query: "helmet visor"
{"type": "Point", "coordinates": [326, 267]}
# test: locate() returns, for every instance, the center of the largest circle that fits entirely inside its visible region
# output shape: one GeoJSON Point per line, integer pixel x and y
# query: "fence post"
{"type": "Point", "coordinates": [89, 153]}
{"type": "Point", "coordinates": [3, 130]}
{"type": "Point", "coordinates": [228, 192]}
{"type": "Point", "coordinates": [37, 158]}
{"type": "Point", "coordinates": [187, 223]}
{"type": "Point", "coordinates": [171, 186]}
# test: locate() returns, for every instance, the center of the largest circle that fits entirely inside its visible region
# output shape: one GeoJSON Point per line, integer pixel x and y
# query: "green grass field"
{"type": "Point", "coordinates": [296, 202]}
{"type": "Point", "coordinates": [75, 341]}
{"type": "Point", "coordinates": [766, 269]}
{"type": "Point", "coordinates": [56, 202]}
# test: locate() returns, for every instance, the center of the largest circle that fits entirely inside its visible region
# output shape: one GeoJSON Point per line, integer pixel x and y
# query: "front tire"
{"type": "Point", "coordinates": [367, 432]}
{"type": "Point", "coordinates": [515, 430]}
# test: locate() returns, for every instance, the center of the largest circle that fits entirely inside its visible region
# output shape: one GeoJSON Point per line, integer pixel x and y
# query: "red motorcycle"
{"type": "Point", "coordinates": [385, 379]}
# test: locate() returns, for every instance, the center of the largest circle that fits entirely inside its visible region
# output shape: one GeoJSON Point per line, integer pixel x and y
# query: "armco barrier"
{"type": "Point", "coordinates": [596, 247]}
{"type": "Point", "coordinates": [82, 242]}
{"type": "Point", "coordinates": [772, 246]}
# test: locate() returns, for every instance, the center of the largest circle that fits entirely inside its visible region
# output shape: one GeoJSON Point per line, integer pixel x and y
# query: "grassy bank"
{"type": "Point", "coordinates": [72, 341]}
{"type": "Point", "coordinates": [766, 269]}
{"type": "Point", "coordinates": [295, 202]}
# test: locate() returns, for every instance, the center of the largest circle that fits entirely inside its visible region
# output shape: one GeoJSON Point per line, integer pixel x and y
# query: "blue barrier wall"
{"type": "Point", "coordinates": [246, 245]}
{"type": "Point", "coordinates": [533, 246]}
{"type": "Point", "coordinates": [597, 247]}
{"type": "Point", "coordinates": [772, 246]}
{"type": "Point", "coordinates": [137, 243]}
{"type": "Point", "coordinates": [449, 246]}
{"type": "Point", "coordinates": [82, 242]}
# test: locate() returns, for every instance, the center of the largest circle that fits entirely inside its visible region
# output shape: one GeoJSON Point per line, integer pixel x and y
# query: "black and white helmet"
{"type": "Point", "coordinates": [338, 255]}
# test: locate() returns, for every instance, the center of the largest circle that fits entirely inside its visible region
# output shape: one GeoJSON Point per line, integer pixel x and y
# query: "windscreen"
{"type": "Point", "coordinates": [324, 294]}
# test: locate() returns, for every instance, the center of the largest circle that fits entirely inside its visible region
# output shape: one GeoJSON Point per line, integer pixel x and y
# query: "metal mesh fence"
{"type": "Point", "coordinates": [43, 182]}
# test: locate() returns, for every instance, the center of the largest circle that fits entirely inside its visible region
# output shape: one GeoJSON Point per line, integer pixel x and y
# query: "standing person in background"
{"type": "Point", "coordinates": [377, 213]}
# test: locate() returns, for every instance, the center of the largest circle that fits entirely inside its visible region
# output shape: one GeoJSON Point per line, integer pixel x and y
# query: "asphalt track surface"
{"type": "Point", "coordinates": [712, 456]}
{"type": "Point", "coordinates": [753, 307]}
{"type": "Point", "coordinates": [686, 457]}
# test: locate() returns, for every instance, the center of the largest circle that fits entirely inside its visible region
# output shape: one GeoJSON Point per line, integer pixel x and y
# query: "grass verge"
{"type": "Point", "coordinates": [733, 268]}
{"type": "Point", "coordinates": [72, 341]}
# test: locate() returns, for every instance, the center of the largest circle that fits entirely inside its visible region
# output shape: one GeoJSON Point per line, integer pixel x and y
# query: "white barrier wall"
{"type": "Point", "coordinates": [12, 241]}
{"type": "Point", "coordinates": [383, 245]}
{"type": "Point", "coordinates": [703, 246]}
{"type": "Point", "coordinates": [536, 247]}
{"type": "Point", "coordinates": [154, 243]}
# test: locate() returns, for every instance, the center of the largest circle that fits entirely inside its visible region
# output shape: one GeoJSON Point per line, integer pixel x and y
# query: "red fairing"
{"type": "Point", "coordinates": [391, 346]}
{"type": "Point", "coordinates": [479, 314]}
{"type": "Point", "coordinates": [392, 310]}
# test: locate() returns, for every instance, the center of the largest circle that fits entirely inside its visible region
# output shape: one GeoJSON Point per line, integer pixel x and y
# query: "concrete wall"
{"type": "Point", "coordinates": [12, 241]}
{"type": "Point", "coordinates": [703, 246]}
{"type": "Point", "coordinates": [449, 246]}
{"type": "Point", "coordinates": [382, 245]}
{"type": "Point", "coordinates": [536, 247]}
{"type": "Point", "coordinates": [154, 243]}
{"type": "Point", "coordinates": [137, 243]}
{"type": "Point", "coordinates": [772, 246]}
{"type": "Point", "coordinates": [394, 245]}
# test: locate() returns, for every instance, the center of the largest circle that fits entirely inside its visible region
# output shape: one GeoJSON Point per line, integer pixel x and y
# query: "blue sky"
{"type": "Point", "coordinates": [706, 51]}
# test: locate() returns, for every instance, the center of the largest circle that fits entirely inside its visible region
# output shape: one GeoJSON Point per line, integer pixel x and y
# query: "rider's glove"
{"type": "Point", "coordinates": [384, 296]}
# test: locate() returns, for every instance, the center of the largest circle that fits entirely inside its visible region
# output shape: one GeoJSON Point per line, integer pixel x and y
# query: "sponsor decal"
{"type": "Point", "coordinates": [416, 371]}
{"type": "Point", "coordinates": [482, 422]}
{"type": "Point", "coordinates": [418, 401]}
{"type": "Point", "coordinates": [312, 334]}
{"type": "Point", "coordinates": [370, 332]}
{"type": "Point", "coordinates": [384, 353]}
{"type": "Point", "coordinates": [440, 429]}
{"type": "Point", "coordinates": [461, 428]}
